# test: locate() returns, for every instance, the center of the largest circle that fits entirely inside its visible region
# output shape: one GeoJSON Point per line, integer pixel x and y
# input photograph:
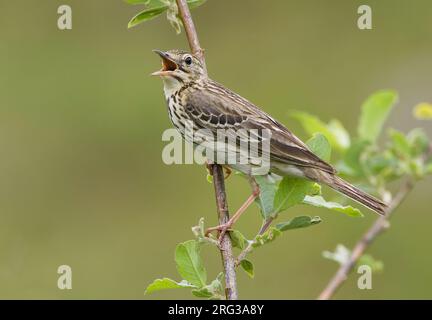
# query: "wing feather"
{"type": "Point", "coordinates": [216, 107]}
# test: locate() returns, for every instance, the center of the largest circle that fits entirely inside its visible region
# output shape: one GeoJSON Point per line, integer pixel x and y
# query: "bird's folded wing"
{"type": "Point", "coordinates": [219, 108]}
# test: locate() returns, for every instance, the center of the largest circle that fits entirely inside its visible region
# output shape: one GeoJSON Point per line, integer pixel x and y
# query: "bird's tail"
{"type": "Point", "coordinates": [358, 195]}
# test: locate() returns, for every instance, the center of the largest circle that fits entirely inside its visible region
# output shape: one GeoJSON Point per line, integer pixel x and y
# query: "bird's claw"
{"type": "Point", "coordinates": [209, 168]}
{"type": "Point", "coordinates": [228, 172]}
{"type": "Point", "coordinates": [222, 229]}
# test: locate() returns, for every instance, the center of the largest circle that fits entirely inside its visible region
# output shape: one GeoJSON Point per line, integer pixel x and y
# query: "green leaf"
{"type": "Point", "coordinates": [315, 190]}
{"type": "Point", "coordinates": [320, 146]}
{"type": "Point", "coordinates": [318, 201]}
{"type": "Point", "coordinates": [146, 2]}
{"type": "Point", "coordinates": [416, 168]}
{"type": "Point", "coordinates": [340, 133]}
{"type": "Point", "coordinates": [312, 124]}
{"type": "Point", "coordinates": [209, 178]}
{"type": "Point", "coordinates": [375, 265]}
{"type": "Point", "coordinates": [166, 283]}
{"type": "Point", "coordinates": [248, 267]}
{"type": "Point", "coordinates": [400, 143]}
{"type": "Point", "coordinates": [213, 291]}
{"type": "Point", "coordinates": [268, 187]}
{"type": "Point", "coordinates": [375, 111]}
{"type": "Point", "coordinates": [335, 133]}
{"type": "Point", "coordinates": [157, 7]}
{"type": "Point", "coordinates": [146, 15]}
{"type": "Point", "coordinates": [423, 111]}
{"type": "Point", "coordinates": [238, 239]}
{"type": "Point", "coordinates": [352, 158]}
{"type": "Point", "coordinates": [189, 263]}
{"type": "Point", "coordinates": [291, 191]}
{"type": "Point", "coordinates": [195, 3]}
{"type": "Point", "coordinates": [382, 163]}
{"type": "Point", "coordinates": [298, 222]}
{"type": "Point", "coordinates": [199, 233]}
{"type": "Point", "coordinates": [409, 151]}
{"type": "Point", "coordinates": [269, 236]}
{"type": "Point", "coordinates": [202, 293]}
{"type": "Point", "coordinates": [419, 141]}
{"type": "Point", "coordinates": [274, 232]}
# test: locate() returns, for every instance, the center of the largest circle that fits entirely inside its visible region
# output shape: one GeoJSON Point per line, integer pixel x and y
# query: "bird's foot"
{"type": "Point", "coordinates": [222, 229]}
{"type": "Point", "coordinates": [228, 172]}
{"type": "Point", "coordinates": [209, 168]}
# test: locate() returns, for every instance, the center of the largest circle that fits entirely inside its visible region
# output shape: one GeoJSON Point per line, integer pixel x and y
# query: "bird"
{"type": "Point", "coordinates": [191, 96]}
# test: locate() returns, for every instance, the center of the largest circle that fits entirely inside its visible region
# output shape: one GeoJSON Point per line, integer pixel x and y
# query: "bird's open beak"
{"type": "Point", "coordinates": [168, 64]}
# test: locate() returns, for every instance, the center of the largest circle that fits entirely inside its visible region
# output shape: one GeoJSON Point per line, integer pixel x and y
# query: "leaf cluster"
{"type": "Point", "coordinates": [154, 8]}
{"type": "Point", "coordinates": [191, 268]}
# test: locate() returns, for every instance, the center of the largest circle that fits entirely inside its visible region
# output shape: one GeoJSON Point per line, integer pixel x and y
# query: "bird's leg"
{"type": "Point", "coordinates": [209, 168]}
{"type": "Point", "coordinates": [228, 172]}
{"type": "Point", "coordinates": [223, 228]}
{"type": "Point", "coordinates": [208, 165]}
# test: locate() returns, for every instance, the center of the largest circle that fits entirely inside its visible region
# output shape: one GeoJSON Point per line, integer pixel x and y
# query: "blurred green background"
{"type": "Point", "coordinates": [82, 182]}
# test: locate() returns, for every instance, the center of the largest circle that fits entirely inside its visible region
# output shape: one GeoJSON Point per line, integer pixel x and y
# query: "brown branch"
{"type": "Point", "coordinates": [377, 228]}
{"type": "Point", "coordinates": [217, 171]}
{"type": "Point", "coordinates": [228, 260]}
{"type": "Point", "coordinates": [191, 32]}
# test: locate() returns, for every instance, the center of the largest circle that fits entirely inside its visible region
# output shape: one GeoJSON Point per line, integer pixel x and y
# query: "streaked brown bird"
{"type": "Point", "coordinates": [192, 96]}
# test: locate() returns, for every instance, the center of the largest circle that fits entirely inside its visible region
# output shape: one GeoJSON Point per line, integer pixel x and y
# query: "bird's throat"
{"type": "Point", "coordinates": [171, 85]}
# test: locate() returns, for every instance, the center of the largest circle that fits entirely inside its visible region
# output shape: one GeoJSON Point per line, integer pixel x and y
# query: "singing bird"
{"type": "Point", "coordinates": [192, 96]}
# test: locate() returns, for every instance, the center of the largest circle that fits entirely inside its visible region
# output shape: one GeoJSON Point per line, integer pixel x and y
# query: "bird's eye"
{"type": "Point", "coordinates": [188, 60]}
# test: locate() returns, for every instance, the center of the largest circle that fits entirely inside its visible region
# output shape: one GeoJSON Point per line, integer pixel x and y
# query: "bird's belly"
{"type": "Point", "coordinates": [284, 169]}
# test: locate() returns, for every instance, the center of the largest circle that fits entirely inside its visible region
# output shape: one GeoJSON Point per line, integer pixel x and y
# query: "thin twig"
{"type": "Point", "coordinates": [191, 32]}
{"type": "Point", "coordinates": [228, 260]}
{"type": "Point", "coordinates": [379, 226]}
{"type": "Point", "coordinates": [267, 223]}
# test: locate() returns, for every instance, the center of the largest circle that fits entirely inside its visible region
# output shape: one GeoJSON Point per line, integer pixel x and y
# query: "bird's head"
{"type": "Point", "coordinates": [179, 67]}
